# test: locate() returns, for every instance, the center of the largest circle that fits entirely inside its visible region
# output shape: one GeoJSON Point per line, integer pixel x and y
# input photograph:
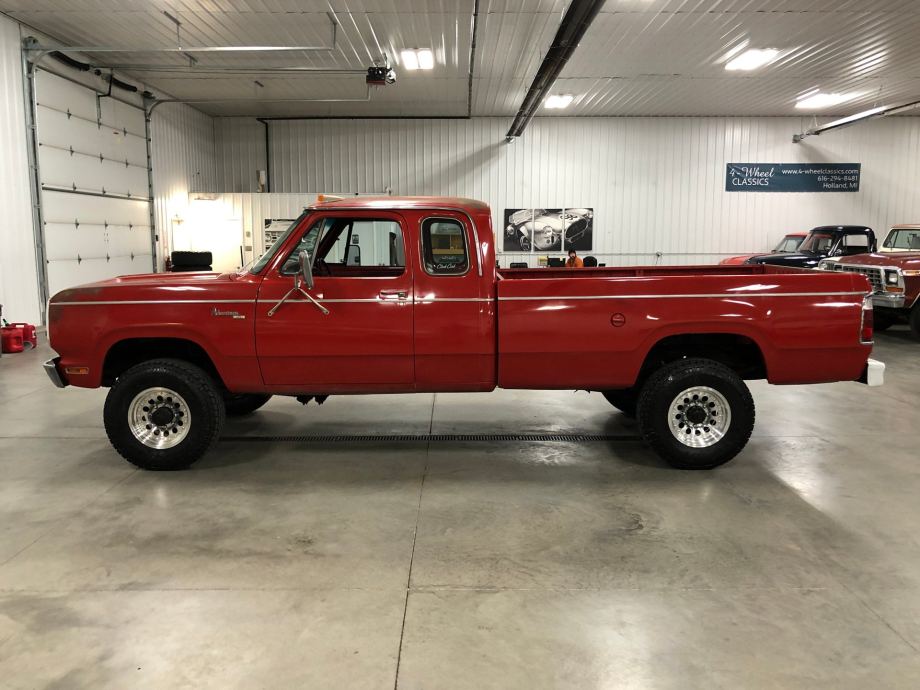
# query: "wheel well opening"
{"type": "Point", "coordinates": [737, 352]}
{"type": "Point", "coordinates": [130, 352]}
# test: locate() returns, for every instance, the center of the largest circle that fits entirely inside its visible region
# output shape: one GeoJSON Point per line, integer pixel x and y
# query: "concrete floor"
{"type": "Point", "coordinates": [465, 565]}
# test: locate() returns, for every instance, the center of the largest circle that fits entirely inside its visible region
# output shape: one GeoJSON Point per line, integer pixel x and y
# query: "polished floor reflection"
{"type": "Point", "coordinates": [465, 564]}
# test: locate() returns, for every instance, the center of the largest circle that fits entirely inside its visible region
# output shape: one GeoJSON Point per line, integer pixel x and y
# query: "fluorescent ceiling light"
{"type": "Point", "coordinates": [559, 100]}
{"type": "Point", "coordinates": [409, 59]}
{"type": "Point", "coordinates": [823, 100]}
{"type": "Point", "coordinates": [425, 59]}
{"type": "Point", "coordinates": [752, 59]}
{"type": "Point", "coordinates": [418, 58]}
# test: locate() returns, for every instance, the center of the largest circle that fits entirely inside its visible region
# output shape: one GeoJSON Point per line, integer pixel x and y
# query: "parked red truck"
{"type": "Point", "coordinates": [423, 308]}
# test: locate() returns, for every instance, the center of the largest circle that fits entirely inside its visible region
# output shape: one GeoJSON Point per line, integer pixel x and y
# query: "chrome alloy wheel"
{"type": "Point", "coordinates": [159, 418]}
{"type": "Point", "coordinates": [699, 417]}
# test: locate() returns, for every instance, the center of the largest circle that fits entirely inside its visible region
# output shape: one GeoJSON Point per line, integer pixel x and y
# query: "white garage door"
{"type": "Point", "coordinates": [95, 202]}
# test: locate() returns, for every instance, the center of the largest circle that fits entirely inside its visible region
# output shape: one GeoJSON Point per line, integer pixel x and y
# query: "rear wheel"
{"type": "Point", "coordinates": [696, 414]}
{"type": "Point", "coordinates": [624, 399]}
{"type": "Point", "coordinates": [164, 414]}
{"type": "Point", "coordinates": [238, 404]}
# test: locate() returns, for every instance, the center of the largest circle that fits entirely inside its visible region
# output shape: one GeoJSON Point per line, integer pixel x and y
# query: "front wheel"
{"type": "Point", "coordinates": [164, 414]}
{"type": "Point", "coordinates": [696, 414]}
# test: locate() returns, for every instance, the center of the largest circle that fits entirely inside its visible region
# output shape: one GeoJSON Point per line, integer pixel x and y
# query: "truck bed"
{"type": "Point", "coordinates": [593, 328]}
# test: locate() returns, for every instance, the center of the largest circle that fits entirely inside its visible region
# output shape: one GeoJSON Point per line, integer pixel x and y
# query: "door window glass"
{"type": "Point", "coordinates": [354, 248]}
{"type": "Point", "coordinates": [444, 247]}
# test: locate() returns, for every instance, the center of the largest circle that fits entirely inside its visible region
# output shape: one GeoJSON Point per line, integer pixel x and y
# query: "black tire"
{"type": "Point", "coordinates": [882, 321]}
{"type": "Point", "coordinates": [624, 399]}
{"type": "Point", "coordinates": [181, 259]}
{"type": "Point", "coordinates": [661, 390]}
{"type": "Point", "coordinates": [524, 241]}
{"type": "Point", "coordinates": [238, 404]}
{"type": "Point", "coordinates": [914, 320]}
{"type": "Point", "coordinates": [196, 388]}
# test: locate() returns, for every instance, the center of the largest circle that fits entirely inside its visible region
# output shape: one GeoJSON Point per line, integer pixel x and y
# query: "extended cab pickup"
{"type": "Point", "coordinates": [421, 307]}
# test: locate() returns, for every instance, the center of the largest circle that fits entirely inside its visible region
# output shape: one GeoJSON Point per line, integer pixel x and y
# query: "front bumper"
{"type": "Point", "coordinates": [883, 300]}
{"type": "Point", "coordinates": [874, 373]}
{"type": "Point", "coordinates": [51, 369]}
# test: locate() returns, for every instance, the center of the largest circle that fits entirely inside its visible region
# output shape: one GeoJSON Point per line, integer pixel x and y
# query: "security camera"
{"type": "Point", "coordinates": [391, 77]}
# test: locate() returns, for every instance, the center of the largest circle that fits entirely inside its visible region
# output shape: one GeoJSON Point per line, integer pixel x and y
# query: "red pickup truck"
{"type": "Point", "coordinates": [422, 307]}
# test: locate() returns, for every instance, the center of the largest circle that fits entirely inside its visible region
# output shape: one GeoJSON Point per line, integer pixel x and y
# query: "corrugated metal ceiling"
{"type": "Point", "coordinates": [641, 57]}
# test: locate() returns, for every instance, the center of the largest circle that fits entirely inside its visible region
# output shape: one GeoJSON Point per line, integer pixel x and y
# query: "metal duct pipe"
{"type": "Point", "coordinates": [195, 69]}
{"type": "Point", "coordinates": [576, 21]}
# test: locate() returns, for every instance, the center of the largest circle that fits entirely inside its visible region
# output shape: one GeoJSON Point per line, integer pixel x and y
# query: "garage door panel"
{"type": "Point", "coordinates": [127, 266]}
{"type": "Point", "coordinates": [61, 207]}
{"type": "Point", "coordinates": [70, 241]}
{"type": "Point", "coordinates": [60, 169]}
{"type": "Point", "coordinates": [124, 241]}
{"type": "Point", "coordinates": [68, 274]}
{"type": "Point", "coordinates": [57, 130]}
{"type": "Point", "coordinates": [60, 94]}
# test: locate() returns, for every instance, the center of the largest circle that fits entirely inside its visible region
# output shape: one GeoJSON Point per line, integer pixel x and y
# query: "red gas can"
{"type": "Point", "coordinates": [29, 338]}
{"type": "Point", "coordinates": [11, 339]}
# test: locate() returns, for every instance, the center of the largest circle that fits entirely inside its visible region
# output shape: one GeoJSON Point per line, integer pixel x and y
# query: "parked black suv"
{"type": "Point", "coordinates": [822, 242]}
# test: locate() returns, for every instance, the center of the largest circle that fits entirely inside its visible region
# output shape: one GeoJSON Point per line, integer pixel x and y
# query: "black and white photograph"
{"type": "Point", "coordinates": [548, 229]}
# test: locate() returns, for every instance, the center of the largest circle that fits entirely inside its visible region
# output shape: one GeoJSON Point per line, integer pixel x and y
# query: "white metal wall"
{"type": "Point", "coordinates": [184, 161]}
{"type": "Point", "coordinates": [656, 184]}
{"type": "Point", "coordinates": [18, 281]}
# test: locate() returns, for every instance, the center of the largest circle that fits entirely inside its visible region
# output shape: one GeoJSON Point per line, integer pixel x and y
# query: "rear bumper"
{"type": "Point", "coordinates": [874, 373]}
{"type": "Point", "coordinates": [51, 369]}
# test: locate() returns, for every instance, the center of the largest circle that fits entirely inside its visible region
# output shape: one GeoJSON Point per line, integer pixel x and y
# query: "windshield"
{"type": "Point", "coordinates": [818, 242]}
{"type": "Point", "coordinates": [789, 243]}
{"type": "Point", "coordinates": [267, 256]}
{"type": "Point", "coordinates": [903, 239]}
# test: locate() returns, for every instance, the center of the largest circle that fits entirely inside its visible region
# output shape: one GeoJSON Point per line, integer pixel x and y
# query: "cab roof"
{"type": "Point", "coordinates": [906, 226]}
{"type": "Point", "coordinates": [406, 202]}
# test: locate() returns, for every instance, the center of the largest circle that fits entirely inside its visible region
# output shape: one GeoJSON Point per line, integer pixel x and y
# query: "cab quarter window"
{"type": "Point", "coordinates": [444, 247]}
{"type": "Point", "coordinates": [354, 247]}
{"type": "Point", "coordinates": [855, 244]}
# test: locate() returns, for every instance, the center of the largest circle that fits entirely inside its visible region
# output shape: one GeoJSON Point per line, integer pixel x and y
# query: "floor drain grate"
{"type": "Point", "coordinates": [434, 438]}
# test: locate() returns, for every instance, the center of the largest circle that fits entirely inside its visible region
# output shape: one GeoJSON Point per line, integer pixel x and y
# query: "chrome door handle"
{"type": "Point", "coordinates": [401, 294]}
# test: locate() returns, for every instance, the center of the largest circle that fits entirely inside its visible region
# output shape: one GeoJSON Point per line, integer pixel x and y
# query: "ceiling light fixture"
{"type": "Point", "coordinates": [418, 58]}
{"type": "Point", "coordinates": [823, 100]}
{"type": "Point", "coordinates": [425, 59]}
{"type": "Point", "coordinates": [559, 100]}
{"type": "Point", "coordinates": [752, 59]}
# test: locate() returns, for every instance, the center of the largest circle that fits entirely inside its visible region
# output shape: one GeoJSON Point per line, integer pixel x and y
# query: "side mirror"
{"type": "Point", "coordinates": [304, 270]}
{"type": "Point", "coordinates": [838, 252]}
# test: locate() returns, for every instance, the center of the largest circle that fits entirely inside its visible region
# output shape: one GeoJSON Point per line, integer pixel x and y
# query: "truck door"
{"type": "Point", "coordinates": [363, 277]}
{"type": "Point", "coordinates": [454, 311]}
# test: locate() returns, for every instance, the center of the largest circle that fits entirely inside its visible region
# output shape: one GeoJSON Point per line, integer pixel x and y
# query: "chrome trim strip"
{"type": "Point", "coordinates": [735, 295]}
{"type": "Point", "coordinates": [159, 301]}
{"type": "Point", "coordinates": [452, 299]}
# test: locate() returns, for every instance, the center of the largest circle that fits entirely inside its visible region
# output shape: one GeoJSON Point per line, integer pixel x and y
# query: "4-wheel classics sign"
{"type": "Point", "coordinates": [792, 177]}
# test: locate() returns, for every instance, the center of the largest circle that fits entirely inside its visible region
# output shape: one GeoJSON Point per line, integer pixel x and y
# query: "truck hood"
{"type": "Point", "coordinates": [906, 260]}
{"type": "Point", "coordinates": [157, 286]}
{"type": "Point", "coordinates": [797, 260]}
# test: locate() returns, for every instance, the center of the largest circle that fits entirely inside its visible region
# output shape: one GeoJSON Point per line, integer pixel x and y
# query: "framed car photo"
{"type": "Point", "coordinates": [548, 229]}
